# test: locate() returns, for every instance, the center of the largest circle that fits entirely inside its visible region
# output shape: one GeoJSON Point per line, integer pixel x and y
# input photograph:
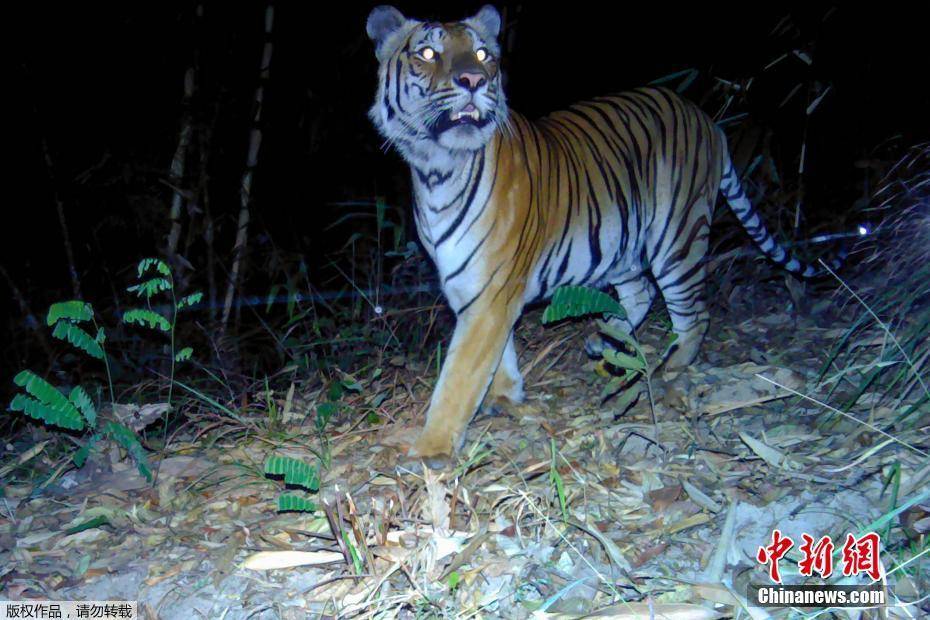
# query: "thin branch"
{"type": "Point", "coordinates": [62, 222]}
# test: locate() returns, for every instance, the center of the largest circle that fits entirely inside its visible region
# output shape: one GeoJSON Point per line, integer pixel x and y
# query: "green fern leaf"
{"type": "Point", "coordinates": [128, 439]}
{"type": "Point", "coordinates": [146, 318]}
{"type": "Point", "coordinates": [69, 332]}
{"type": "Point", "coordinates": [624, 399]}
{"type": "Point", "coordinates": [68, 418]}
{"type": "Point", "coordinates": [148, 263]}
{"type": "Point", "coordinates": [190, 300]}
{"type": "Point", "coordinates": [624, 361]}
{"type": "Point", "coordinates": [70, 310]}
{"type": "Point", "coordinates": [184, 354]}
{"type": "Point", "coordinates": [613, 386]}
{"type": "Point", "coordinates": [295, 503]}
{"type": "Point", "coordinates": [81, 400]}
{"type": "Point", "coordinates": [43, 391]}
{"type": "Point", "coordinates": [295, 472]}
{"type": "Point", "coordinates": [101, 336]}
{"type": "Point", "coordinates": [324, 414]}
{"type": "Point", "coordinates": [619, 335]}
{"type": "Point", "coordinates": [577, 301]}
{"type": "Point", "coordinates": [80, 457]}
{"type": "Point", "coordinates": [90, 524]}
{"type": "Point", "coordinates": [150, 287]}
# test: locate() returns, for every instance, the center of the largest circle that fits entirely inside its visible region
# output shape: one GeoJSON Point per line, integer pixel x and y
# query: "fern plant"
{"type": "Point", "coordinates": [65, 319]}
{"type": "Point", "coordinates": [155, 278]}
{"type": "Point", "coordinates": [76, 412]}
{"type": "Point", "coordinates": [580, 301]}
{"type": "Point", "coordinates": [296, 473]}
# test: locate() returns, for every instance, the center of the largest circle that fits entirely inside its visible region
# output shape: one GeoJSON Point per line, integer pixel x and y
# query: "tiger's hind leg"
{"type": "Point", "coordinates": [680, 274]}
{"type": "Point", "coordinates": [636, 294]}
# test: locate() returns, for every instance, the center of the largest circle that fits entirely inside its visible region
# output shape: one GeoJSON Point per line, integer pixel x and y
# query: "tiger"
{"type": "Point", "coordinates": [616, 191]}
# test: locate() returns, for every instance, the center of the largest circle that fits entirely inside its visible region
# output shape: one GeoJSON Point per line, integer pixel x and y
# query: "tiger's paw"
{"type": "Point", "coordinates": [429, 451]}
{"type": "Point", "coordinates": [416, 464]}
{"type": "Point", "coordinates": [680, 357]}
{"type": "Point", "coordinates": [431, 445]}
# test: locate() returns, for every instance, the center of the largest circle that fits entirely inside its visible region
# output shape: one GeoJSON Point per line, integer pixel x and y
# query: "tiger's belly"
{"type": "Point", "coordinates": [587, 255]}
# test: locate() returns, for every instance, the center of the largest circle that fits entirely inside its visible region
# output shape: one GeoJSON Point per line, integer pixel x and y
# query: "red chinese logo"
{"type": "Point", "coordinates": [817, 558]}
{"type": "Point", "coordinates": [773, 553]}
{"type": "Point", "coordinates": [860, 555]}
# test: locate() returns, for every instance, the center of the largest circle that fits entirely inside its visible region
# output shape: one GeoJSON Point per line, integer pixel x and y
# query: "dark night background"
{"type": "Point", "coordinates": [102, 84]}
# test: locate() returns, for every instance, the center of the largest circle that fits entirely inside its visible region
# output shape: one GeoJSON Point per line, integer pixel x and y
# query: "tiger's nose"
{"type": "Point", "coordinates": [470, 81]}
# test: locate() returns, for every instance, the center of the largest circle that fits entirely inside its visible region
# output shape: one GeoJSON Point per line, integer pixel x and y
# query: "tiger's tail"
{"type": "Point", "coordinates": [732, 190]}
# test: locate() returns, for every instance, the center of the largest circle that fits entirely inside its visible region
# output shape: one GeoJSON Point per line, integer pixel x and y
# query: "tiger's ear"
{"type": "Point", "coordinates": [383, 21]}
{"type": "Point", "coordinates": [488, 20]}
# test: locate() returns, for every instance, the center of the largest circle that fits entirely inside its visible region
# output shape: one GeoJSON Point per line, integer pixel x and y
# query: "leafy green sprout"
{"type": "Point", "coordinates": [159, 279]}
{"type": "Point", "coordinates": [65, 318]}
{"type": "Point", "coordinates": [555, 478]}
{"type": "Point", "coordinates": [42, 401]}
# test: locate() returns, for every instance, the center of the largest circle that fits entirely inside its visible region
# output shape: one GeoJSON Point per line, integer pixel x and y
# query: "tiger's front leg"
{"type": "Point", "coordinates": [481, 335]}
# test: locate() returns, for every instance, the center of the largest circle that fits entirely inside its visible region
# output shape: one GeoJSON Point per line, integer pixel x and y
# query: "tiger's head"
{"type": "Point", "coordinates": [439, 83]}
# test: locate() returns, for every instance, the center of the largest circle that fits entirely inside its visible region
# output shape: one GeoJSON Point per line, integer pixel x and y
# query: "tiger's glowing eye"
{"type": "Point", "coordinates": [427, 53]}
{"type": "Point", "coordinates": [482, 54]}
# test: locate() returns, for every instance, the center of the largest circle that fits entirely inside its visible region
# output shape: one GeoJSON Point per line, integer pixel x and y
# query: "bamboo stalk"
{"type": "Point", "coordinates": [208, 225]}
{"type": "Point", "coordinates": [245, 191]}
{"type": "Point", "coordinates": [185, 147]}
{"type": "Point", "coordinates": [178, 165]}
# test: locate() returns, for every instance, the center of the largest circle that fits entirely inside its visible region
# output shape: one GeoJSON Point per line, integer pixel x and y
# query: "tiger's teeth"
{"type": "Point", "coordinates": [474, 114]}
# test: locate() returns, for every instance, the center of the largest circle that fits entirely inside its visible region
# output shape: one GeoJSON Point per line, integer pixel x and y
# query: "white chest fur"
{"type": "Point", "coordinates": [452, 194]}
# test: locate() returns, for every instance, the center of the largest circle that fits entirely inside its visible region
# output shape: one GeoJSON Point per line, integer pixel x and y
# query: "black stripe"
{"type": "Point", "coordinates": [465, 207]}
{"type": "Point", "coordinates": [467, 260]}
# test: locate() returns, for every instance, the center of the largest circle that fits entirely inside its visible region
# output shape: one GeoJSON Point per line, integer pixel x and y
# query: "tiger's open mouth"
{"type": "Point", "coordinates": [466, 113]}
{"type": "Point", "coordinates": [467, 116]}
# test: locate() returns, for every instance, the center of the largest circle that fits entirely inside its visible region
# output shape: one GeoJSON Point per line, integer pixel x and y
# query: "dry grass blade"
{"type": "Point", "coordinates": [268, 560]}
{"type": "Point", "coordinates": [767, 453]}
